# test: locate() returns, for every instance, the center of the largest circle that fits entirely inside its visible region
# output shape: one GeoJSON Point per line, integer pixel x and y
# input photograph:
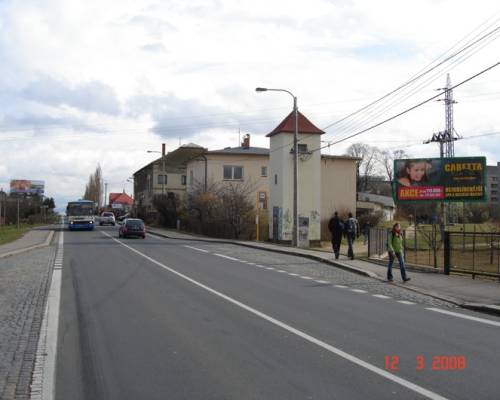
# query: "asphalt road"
{"type": "Point", "coordinates": [171, 319]}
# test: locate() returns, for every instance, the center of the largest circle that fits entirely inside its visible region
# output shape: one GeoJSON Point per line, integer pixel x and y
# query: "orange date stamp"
{"type": "Point", "coordinates": [434, 363]}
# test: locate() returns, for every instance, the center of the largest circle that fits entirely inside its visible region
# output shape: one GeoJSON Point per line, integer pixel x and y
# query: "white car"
{"type": "Point", "coordinates": [107, 218]}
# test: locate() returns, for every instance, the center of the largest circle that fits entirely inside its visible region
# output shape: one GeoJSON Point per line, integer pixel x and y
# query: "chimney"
{"type": "Point", "coordinates": [246, 141]}
{"type": "Point", "coordinates": [162, 149]}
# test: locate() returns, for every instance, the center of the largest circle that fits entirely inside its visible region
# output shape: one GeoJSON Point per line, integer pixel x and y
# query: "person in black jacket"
{"type": "Point", "coordinates": [336, 227]}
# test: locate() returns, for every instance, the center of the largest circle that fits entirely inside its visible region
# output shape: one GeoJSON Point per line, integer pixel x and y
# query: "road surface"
{"type": "Point", "coordinates": [172, 319]}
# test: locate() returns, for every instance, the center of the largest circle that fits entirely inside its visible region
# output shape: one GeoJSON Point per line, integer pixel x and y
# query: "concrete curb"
{"type": "Point", "coordinates": [485, 308]}
{"type": "Point", "coordinates": [490, 309]}
{"type": "Point", "coordinates": [38, 246]}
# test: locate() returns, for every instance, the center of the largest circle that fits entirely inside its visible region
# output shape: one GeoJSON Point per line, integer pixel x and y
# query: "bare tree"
{"type": "Point", "coordinates": [225, 209]}
{"type": "Point", "coordinates": [93, 189]}
{"type": "Point", "coordinates": [386, 160]}
{"type": "Point", "coordinates": [366, 166]}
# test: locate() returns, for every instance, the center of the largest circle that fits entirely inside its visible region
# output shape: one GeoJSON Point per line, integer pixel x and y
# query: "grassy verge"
{"type": "Point", "coordinates": [9, 233]}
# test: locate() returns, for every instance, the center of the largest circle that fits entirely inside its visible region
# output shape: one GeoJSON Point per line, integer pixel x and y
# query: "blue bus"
{"type": "Point", "coordinates": [81, 215]}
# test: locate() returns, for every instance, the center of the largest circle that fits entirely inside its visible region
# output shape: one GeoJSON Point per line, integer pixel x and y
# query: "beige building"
{"type": "Point", "coordinates": [338, 188]}
{"type": "Point", "coordinates": [326, 183]}
{"type": "Point", "coordinates": [245, 164]}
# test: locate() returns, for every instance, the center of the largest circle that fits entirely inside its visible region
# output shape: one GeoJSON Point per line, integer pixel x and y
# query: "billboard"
{"type": "Point", "coordinates": [443, 179]}
{"type": "Point", "coordinates": [25, 186]}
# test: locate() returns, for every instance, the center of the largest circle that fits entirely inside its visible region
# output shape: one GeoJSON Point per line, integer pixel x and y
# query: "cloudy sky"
{"type": "Point", "coordinates": [88, 82]}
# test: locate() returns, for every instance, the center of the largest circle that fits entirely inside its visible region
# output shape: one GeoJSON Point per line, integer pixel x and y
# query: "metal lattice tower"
{"type": "Point", "coordinates": [446, 138]}
{"type": "Point", "coordinates": [451, 135]}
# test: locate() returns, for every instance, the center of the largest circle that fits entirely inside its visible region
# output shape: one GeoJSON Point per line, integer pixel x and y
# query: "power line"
{"type": "Point", "coordinates": [408, 109]}
{"type": "Point", "coordinates": [413, 79]}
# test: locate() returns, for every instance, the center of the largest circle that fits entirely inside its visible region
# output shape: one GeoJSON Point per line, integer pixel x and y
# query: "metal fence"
{"type": "Point", "coordinates": [476, 253]}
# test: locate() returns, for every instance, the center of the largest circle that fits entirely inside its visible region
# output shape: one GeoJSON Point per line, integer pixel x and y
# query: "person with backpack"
{"type": "Point", "coordinates": [336, 228]}
{"type": "Point", "coordinates": [351, 229]}
{"type": "Point", "coordinates": [395, 249]}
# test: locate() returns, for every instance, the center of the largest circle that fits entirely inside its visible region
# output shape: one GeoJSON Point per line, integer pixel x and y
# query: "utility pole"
{"type": "Point", "coordinates": [105, 193]}
{"type": "Point", "coordinates": [17, 212]}
{"type": "Point", "coordinates": [446, 138]}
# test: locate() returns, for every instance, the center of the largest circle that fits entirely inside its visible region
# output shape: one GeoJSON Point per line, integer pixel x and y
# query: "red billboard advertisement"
{"type": "Point", "coordinates": [445, 179]}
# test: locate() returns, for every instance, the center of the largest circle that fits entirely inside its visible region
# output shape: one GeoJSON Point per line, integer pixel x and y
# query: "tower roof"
{"type": "Point", "coordinates": [288, 125]}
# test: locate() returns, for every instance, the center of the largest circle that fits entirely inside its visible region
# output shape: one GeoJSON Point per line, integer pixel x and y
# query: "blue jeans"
{"type": "Point", "coordinates": [350, 240]}
{"type": "Point", "coordinates": [401, 261]}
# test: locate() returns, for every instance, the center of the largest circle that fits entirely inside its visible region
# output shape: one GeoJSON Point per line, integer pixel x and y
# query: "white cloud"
{"type": "Point", "coordinates": [93, 82]}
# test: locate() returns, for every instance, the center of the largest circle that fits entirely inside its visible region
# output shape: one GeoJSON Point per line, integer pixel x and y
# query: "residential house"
{"type": "Point", "coordinates": [121, 203]}
{"type": "Point", "coordinates": [493, 179]}
{"type": "Point", "coordinates": [245, 164]}
{"type": "Point", "coordinates": [369, 202]}
{"type": "Point", "coordinates": [165, 175]}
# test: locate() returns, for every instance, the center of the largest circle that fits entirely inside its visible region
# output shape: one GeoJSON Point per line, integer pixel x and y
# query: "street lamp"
{"type": "Point", "coordinates": [295, 161]}
{"type": "Point", "coordinates": [163, 169]}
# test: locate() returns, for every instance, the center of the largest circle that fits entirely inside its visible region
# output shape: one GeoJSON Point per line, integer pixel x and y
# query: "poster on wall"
{"type": "Point", "coordinates": [444, 179]}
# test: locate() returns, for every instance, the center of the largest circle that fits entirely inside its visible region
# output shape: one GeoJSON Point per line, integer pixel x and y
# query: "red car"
{"type": "Point", "coordinates": [132, 227]}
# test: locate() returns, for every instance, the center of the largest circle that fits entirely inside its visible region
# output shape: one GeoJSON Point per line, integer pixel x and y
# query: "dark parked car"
{"type": "Point", "coordinates": [132, 227]}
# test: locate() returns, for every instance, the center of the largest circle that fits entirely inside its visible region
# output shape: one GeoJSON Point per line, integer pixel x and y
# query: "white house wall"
{"type": "Point", "coordinates": [309, 179]}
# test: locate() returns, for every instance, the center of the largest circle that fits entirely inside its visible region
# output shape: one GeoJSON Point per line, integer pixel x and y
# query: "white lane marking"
{"type": "Point", "coordinates": [359, 290]}
{"type": "Point", "coordinates": [355, 360]}
{"type": "Point", "coordinates": [306, 277]}
{"type": "Point", "coordinates": [381, 296]}
{"type": "Point", "coordinates": [259, 266]}
{"type": "Point", "coordinates": [250, 263]}
{"type": "Point", "coordinates": [44, 371]}
{"type": "Point", "coordinates": [323, 282]}
{"type": "Point", "coordinates": [223, 256]}
{"type": "Point", "coordinates": [269, 268]}
{"type": "Point", "coordinates": [196, 248]}
{"type": "Point", "coordinates": [292, 274]}
{"type": "Point", "coordinates": [341, 286]}
{"type": "Point", "coordinates": [281, 271]}
{"type": "Point", "coordinates": [464, 316]}
{"type": "Point", "coordinates": [405, 302]}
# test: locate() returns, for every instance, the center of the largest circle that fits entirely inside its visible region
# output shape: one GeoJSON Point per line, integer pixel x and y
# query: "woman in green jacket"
{"type": "Point", "coordinates": [395, 249]}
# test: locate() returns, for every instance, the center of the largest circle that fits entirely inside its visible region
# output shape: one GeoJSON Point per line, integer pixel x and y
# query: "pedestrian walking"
{"type": "Point", "coordinates": [395, 249]}
{"type": "Point", "coordinates": [351, 230]}
{"type": "Point", "coordinates": [336, 228]}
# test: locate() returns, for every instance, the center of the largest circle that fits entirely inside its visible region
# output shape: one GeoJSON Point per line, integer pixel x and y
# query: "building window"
{"type": "Point", "coordinates": [494, 199]}
{"type": "Point", "coordinates": [494, 185]}
{"type": "Point", "coordinates": [494, 178]}
{"type": "Point", "coordinates": [183, 179]}
{"type": "Point", "coordinates": [232, 172]}
{"type": "Point", "coordinates": [263, 171]}
{"type": "Point", "coordinates": [494, 192]}
{"type": "Point", "coordinates": [275, 179]}
{"type": "Point", "coordinates": [162, 179]}
{"type": "Point", "coordinates": [263, 200]}
{"type": "Point", "coordinates": [302, 148]}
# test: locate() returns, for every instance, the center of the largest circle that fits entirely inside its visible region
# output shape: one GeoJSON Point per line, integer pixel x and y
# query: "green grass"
{"type": "Point", "coordinates": [9, 233]}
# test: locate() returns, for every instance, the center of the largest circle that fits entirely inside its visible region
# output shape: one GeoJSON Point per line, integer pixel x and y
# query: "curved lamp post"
{"type": "Point", "coordinates": [295, 161]}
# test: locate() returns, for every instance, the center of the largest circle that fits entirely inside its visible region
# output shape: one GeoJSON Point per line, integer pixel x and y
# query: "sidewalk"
{"type": "Point", "coordinates": [33, 239]}
{"type": "Point", "coordinates": [476, 294]}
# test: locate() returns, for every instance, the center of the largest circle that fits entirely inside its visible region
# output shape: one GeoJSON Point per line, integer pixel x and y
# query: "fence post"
{"type": "Point", "coordinates": [369, 235]}
{"type": "Point", "coordinates": [447, 253]}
